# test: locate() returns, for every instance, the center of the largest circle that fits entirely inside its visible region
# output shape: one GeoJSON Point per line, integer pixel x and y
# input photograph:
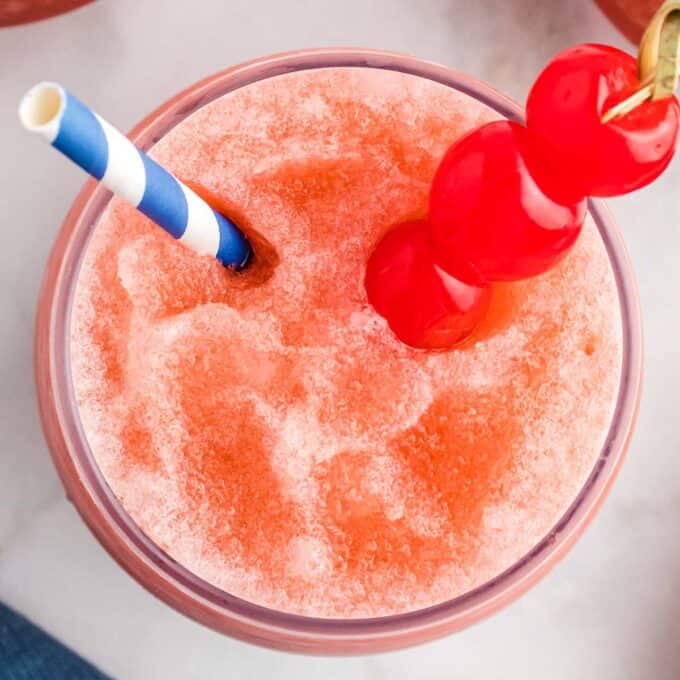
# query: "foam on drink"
{"type": "Point", "coordinates": [270, 433]}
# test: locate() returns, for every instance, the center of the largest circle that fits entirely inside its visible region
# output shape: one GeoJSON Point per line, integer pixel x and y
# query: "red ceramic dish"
{"type": "Point", "coordinates": [14, 12]}
{"type": "Point", "coordinates": [174, 584]}
{"type": "Point", "coordinates": [630, 16]}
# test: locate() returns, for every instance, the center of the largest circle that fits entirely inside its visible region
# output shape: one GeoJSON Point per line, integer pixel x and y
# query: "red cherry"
{"type": "Point", "coordinates": [584, 156]}
{"type": "Point", "coordinates": [487, 210]}
{"type": "Point", "coordinates": [424, 306]}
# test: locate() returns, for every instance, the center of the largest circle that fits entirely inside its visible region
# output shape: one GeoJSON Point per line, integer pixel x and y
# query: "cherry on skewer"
{"type": "Point", "coordinates": [491, 218]}
{"type": "Point", "coordinates": [584, 155]}
{"type": "Point", "coordinates": [424, 306]}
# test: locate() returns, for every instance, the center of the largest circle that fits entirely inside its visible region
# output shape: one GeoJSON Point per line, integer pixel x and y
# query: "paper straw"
{"type": "Point", "coordinates": [50, 111]}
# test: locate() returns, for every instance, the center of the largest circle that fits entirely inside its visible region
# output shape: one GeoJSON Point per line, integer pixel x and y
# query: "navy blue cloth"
{"type": "Point", "coordinates": [28, 653]}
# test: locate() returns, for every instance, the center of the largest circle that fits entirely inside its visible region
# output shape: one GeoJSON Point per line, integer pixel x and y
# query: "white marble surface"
{"type": "Point", "coordinates": [610, 611]}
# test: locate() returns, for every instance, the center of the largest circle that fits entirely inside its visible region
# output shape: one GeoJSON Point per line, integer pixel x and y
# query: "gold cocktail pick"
{"type": "Point", "coordinates": [658, 61]}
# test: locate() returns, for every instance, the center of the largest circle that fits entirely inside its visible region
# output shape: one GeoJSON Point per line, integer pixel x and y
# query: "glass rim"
{"type": "Point", "coordinates": [177, 585]}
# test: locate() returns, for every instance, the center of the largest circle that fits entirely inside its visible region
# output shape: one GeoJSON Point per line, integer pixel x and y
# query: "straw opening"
{"type": "Point", "coordinates": [41, 108]}
{"type": "Point", "coordinates": [54, 114]}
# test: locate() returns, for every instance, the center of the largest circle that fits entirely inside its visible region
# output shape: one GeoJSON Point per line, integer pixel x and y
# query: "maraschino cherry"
{"type": "Point", "coordinates": [584, 155]}
{"type": "Point", "coordinates": [491, 220]}
{"type": "Point", "coordinates": [508, 202]}
{"type": "Point", "coordinates": [424, 306]}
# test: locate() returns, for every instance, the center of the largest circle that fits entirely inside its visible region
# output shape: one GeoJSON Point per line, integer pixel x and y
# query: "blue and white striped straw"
{"type": "Point", "coordinates": [102, 151]}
